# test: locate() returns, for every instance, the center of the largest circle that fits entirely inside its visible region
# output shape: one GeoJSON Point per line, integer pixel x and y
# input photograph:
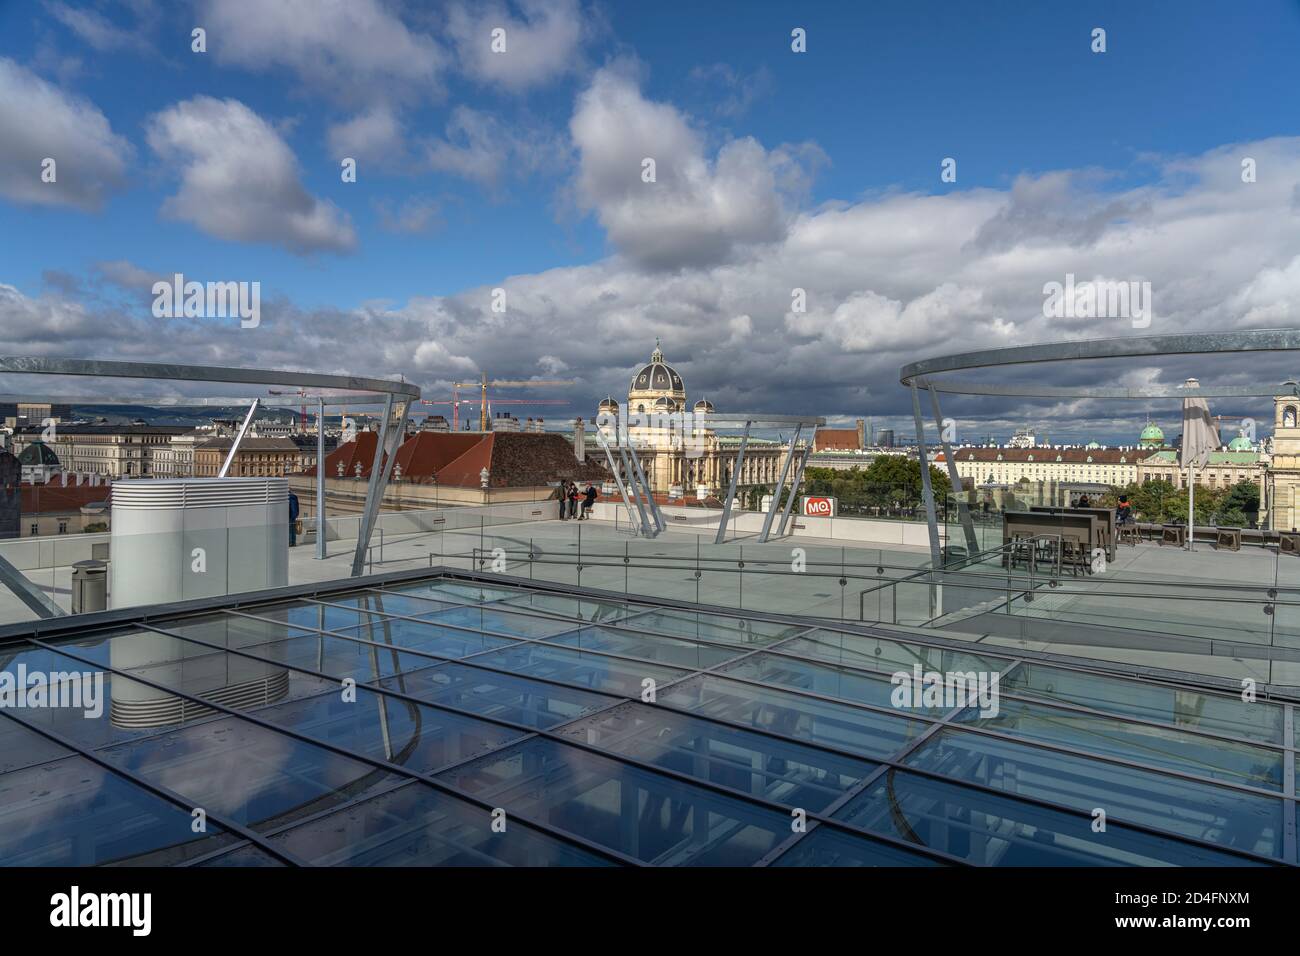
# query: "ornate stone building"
{"type": "Point", "coordinates": [1282, 481]}
{"type": "Point", "coordinates": [680, 454]}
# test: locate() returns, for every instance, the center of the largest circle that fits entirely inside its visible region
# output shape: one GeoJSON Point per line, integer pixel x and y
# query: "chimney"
{"type": "Point", "coordinates": [579, 441]}
{"type": "Point", "coordinates": [862, 433]}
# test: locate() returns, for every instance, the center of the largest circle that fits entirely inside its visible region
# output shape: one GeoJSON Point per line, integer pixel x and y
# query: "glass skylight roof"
{"type": "Point", "coordinates": [491, 725]}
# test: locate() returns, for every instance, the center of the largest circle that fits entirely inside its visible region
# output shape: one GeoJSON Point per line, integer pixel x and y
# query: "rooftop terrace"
{"type": "Point", "coordinates": [609, 731]}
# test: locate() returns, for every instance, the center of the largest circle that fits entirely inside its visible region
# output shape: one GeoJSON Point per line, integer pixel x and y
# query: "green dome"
{"type": "Point", "coordinates": [1240, 443]}
{"type": "Point", "coordinates": [1151, 435]}
{"type": "Point", "coordinates": [1092, 444]}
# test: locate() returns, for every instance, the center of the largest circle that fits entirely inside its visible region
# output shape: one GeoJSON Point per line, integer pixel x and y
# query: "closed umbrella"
{"type": "Point", "coordinates": [1200, 438]}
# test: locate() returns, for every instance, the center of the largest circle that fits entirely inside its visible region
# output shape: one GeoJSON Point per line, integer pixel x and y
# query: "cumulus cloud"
{"type": "Point", "coordinates": [355, 50]}
{"type": "Point", "coordinates": [483, 149]}
{"type": "Point", "coordinates": [41, 121]}
{"type": "Point", "coordinates": [540, 46]}
{"type": "Point", "coordinates": [127, 275]}
{"type": "Point", "coordinates": [888, 279]}
{"type": "Point", "coordinates": [374, 135]}
{"type": "Point", "coordinates": [240, 181]}
{"type": "Point", "coordinates": [699, 209]}
{"type": "Point", "coordinates": [46, 324]}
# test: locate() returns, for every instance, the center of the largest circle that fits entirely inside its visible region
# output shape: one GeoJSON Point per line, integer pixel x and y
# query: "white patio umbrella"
{"type": "Point", "coordinates": [1200, 437]}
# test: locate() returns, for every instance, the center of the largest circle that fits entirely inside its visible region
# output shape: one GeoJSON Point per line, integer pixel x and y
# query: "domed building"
{"type": "Point", "coordinates": [1241, 443]}
{"type": "Point", "coordinates": [1151, 437]}
{"type": "Point", "coordinates": [39, 463]}
{"type": "Point", "coordinates": [681, 456]}
{"type": "Point", "coordinates": [656, 387]}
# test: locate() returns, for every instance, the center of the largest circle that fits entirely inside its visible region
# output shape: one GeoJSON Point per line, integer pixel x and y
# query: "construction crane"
{"type": "Point", "coordinates": [302, 392]}
{"type": "Point", "coordinates": [483, 400]}
{"type": "Point", "coordinates": [456, 403]}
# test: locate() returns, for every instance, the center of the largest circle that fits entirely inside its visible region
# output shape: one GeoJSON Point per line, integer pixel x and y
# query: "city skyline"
{"type": "Point", "coordinates": [524, 174]}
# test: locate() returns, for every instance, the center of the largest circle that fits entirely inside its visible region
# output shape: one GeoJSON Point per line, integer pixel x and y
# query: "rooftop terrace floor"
{"type": "Point", "coordinates": [498, 722]}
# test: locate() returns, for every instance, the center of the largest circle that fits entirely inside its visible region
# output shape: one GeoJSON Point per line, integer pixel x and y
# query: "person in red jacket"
{"type": "Point", "coordinates": [1123, 511]}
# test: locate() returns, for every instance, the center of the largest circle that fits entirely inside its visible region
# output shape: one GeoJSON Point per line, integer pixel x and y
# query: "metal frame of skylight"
{"type": "Point", "coordinates": [550, 733]}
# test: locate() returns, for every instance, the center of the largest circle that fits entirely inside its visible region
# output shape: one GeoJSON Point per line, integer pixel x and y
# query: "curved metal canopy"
{"type": "Point", "coordinates": [29, 365]}
{"type": "Point", "coordinates": [348, 389]}
{"type": "Point", "coordinates": [1189, 343]}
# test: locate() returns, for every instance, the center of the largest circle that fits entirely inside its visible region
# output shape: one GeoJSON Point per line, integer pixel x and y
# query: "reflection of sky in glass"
{"type": "Point", "coordinates": [668, 737]}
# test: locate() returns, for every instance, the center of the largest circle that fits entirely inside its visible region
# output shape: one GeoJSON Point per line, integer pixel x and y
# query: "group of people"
{"type": "Point", "coordinates": [569, 496]}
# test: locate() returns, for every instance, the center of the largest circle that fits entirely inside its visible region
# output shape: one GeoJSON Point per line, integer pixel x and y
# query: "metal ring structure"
{"type": "Point", "coordinates": [396, 397]}
{"type": "Point", "coordinates": [919, 374]}
{"type": "Point", "coordinates": [916, 376]}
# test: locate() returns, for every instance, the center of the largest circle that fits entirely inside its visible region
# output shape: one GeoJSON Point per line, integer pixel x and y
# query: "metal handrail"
{"type": "Point", "coordinates": [951, 577]}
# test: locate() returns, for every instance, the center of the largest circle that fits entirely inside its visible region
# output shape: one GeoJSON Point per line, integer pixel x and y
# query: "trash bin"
{"type": "Point", "coordinates": [89, 586]}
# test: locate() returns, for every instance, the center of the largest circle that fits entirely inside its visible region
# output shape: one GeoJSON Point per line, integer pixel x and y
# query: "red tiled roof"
{"type": "Point", "coordinates": [463, 470]}
{"type": "Point", "coordinates": [427, 453]}
{"type": "Point", "coordinates": [835, 438]}
{"type": "Point", "coordinates": [513, 459]}
{"type": "Point", "coordinates": [361, 449]}
{"type": "Point", "coordinates": [46, 499]}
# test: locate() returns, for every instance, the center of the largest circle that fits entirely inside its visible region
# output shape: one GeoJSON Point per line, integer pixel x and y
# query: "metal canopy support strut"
{"type": "Point", "coordinates": [963, 509]}
{"type": "Point", "coordinates": [644, 486]}
{"type": "Point", "coordinates": [794, 490]}
{"type": "Point", "coordinates": [616, 472]}
{"type": "Point", "coordinates": [630, 474]}
{"type": "Point", "coordinates": [731, 490]}
{"type": "Point", "coordinates": [380, 469]}
{"type": "Point", "coordinates": [234, 445]}
{"type": "Point", "coordinates": [27, 591]}
{"type": "Point", "coordinates": [932, 522]}
{"type": "Point", "coordinates": [780, 486]}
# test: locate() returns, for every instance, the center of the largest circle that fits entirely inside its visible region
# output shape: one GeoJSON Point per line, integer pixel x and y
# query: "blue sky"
{"type": "Point", "coordinates": [859, 123]}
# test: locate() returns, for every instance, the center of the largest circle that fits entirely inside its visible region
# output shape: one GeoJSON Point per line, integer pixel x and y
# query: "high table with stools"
{"type": "Point", "coordinates": [1079, 534]}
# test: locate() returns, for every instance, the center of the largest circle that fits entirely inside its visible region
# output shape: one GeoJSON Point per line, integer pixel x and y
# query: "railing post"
{"type": "Point", "coordinates": [320, 480]}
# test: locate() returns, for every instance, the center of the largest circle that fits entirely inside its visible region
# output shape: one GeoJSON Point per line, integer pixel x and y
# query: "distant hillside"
{"type": "Point", "coordinates": [180, 415]}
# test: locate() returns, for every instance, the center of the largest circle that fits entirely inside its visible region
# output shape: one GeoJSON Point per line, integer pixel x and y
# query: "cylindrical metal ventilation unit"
{"type": "Point", "coordinates": [175, 540]}
{"type": "Point", "coordinates": [188, 538]}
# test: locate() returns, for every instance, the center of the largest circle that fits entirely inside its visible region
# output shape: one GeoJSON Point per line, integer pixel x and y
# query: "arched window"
{"type": "Point", "coordinates": [1288, 417]}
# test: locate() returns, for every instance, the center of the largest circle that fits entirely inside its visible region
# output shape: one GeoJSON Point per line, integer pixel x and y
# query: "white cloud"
{"type": "Point", "coordinates": [45, 323]}
{"type": "Point", "coordinates": [38, 121]}
{"type": "Point", "coordinates": [127, 275]}
{"type": "Point", "coordinates": [239, 179]}
{"type": "Point", "coordinates": [889, 279]}
{"type": "Point", "coordinates": [355, 50]}
{"type": "Point", "coordinates": [542, 45]}
{"type": "Point", "coordinates": [374, 135]}
{"type": "Point", "coordinates": [96, 30]}
{"type": "Point", "coordinates": [482, 148]}
{"type": "Point", "coordinates": [699, 209]}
